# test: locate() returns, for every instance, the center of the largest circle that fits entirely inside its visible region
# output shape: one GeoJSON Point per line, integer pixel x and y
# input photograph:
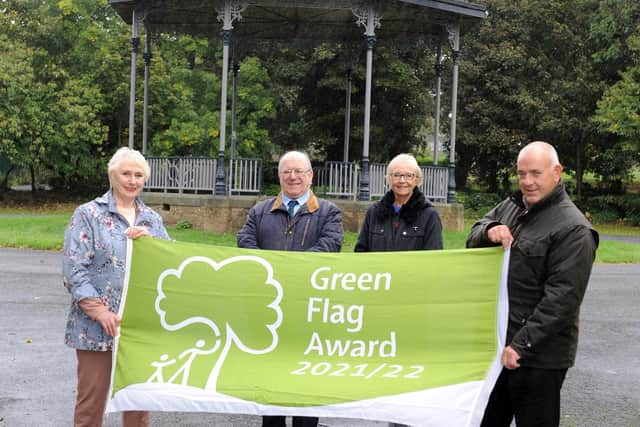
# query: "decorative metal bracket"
{"type": "Point", "coordinates": [231, 12]}
{"type": "Point", "coordinates": [454, 42]}
{"type": "Point", "coordinates": [454, 36]}
{"type": "Point", "coordinates": [368, 17]}
{"type": "Point", "coordinates": [141, 16]}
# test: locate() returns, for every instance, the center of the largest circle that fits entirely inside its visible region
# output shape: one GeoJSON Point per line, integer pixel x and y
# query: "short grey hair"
{"type": "Point", "coordinates": [294, 155]}
{"type": "Point", "coordinates": [125, 154]}
{"type": "Point", "coordinates": [405, 158]}
{"type": "Point", "coordinates": [544, 147]}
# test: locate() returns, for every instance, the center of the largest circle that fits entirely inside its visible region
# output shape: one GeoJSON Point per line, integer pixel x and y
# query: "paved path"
{"type": "Point", "coordinates": [37, 378]}
{"type": "Point", "coordinates": [628, 239]}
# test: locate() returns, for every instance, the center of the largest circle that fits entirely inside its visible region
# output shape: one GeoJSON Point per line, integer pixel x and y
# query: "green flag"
{"type": "Point", "coordinates": [397, 336]}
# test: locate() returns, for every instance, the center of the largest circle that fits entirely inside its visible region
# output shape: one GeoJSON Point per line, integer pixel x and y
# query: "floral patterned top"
{"type": "Point", "coordinates": [93, 264]}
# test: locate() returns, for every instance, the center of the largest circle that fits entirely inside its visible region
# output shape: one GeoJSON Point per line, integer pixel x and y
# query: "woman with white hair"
{"type": "Point", "coordinates": [93, 265]}
{"type": "Point", "coordinates": [403, 220]}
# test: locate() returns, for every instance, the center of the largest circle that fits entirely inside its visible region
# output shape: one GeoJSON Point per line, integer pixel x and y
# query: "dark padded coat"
{"type": "Point", "coordinates": [551, 258]}
{"type": "Point", "coordinates": [416, 227]}
{"type": "Point", "coordinates": [316, 227]}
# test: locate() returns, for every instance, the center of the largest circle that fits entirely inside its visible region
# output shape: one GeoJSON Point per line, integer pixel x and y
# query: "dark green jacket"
{"type": "Point", "coordinates": [551, 257]}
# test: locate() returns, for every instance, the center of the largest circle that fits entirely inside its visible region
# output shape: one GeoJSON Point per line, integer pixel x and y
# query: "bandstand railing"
{"type": "Point", "coordinates": [245, 176]}
{"type": "Point", "coordinates": [198, 175]}
{"type": "Point", "coordinates": [191, 174]}
{"type": "Point", "coordinates": [342, 179]}
{"type": "Point", "coordinates": [338, 179]}
{"type": "Point", "coordinates": [435, 183]}
{"type": "Point", "coordinates": [377, 180]}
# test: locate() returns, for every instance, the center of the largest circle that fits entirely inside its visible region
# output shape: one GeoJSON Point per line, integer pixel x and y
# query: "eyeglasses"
{"type": "Point", "coordinates": [406, 176]}
{"type": "Point", "coordinates": [295, 172]}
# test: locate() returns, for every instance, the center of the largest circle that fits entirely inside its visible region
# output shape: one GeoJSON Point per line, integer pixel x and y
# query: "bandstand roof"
{"type": "Point", "coordinates": [331, 20]}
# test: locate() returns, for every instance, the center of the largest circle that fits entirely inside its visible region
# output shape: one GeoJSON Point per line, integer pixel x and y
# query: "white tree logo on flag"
{"type": "Point", "coordinates": [224, 330]}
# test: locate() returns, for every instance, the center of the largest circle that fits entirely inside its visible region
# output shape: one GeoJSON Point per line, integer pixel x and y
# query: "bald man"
{"type": "Point", "coordinates": [553, 247]}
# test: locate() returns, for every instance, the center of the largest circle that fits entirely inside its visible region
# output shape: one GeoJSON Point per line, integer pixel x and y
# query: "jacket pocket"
{"type": "Point", "coordinates": [412, 233]}
{"type": "Point", "coordinates": [377, 238]}
{"type": "Point", "coordinates": [532, 248]}
{"type": "Point", "coordinates": [411, 238]}
{"type": "Point", "coordinates": [529, 266]}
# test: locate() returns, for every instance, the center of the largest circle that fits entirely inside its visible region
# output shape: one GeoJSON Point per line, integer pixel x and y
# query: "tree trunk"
{"type": "Point", "coordinates": [506, 184]}
{"type": "Point", "coordinates": [119, 132]}
{"type": "Point", "coordinates": [4, 185]}
{"type": "Point", "coordinates": [32, 170]}
{"type": "Point", "coordinates": [492, 177]}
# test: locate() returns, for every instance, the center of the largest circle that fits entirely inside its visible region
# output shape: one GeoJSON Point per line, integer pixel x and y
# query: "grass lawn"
{"type": "Point", "coordinates": [46, 231]}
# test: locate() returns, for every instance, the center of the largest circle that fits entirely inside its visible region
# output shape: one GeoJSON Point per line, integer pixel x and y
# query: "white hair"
{"type": "Point", "coordinates": [299, 155]}
{"type": "Point", "coordinates": [405, 158]}
{"type": "Point", "coordinates": [125, 154]}
{"type": "Point", "coordinates": [541, 146]}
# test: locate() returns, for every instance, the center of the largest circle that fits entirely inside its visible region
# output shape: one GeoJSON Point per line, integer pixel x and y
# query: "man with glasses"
{"type": "Point", "coordinates": [295, 220]}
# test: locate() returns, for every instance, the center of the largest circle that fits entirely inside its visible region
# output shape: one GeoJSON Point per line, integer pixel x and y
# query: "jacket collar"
{"type": "Point", "coordinates": [312, 204]}
{"type": "Point", "coordinates": [108, 200]}
{"type": "Point", "coordinates": [550, 199]}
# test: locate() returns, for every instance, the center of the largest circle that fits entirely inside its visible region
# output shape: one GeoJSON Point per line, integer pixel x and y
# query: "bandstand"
{"type": "Point", "coordinates": [439, 22]}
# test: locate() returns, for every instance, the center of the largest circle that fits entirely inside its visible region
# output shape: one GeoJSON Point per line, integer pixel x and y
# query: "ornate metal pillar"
{"type": "Point", "coordinates": [234, 99]}
{"type": "Point", "coordinates": [135, 43]}
{"type": "Point", "coordinates": [454, 40]}
{"type": "Point", "coordinates": [231, 12]}
{"type": "Point", "coordinates": [145, 111]}
{"type": "Point", "coordinates": [347, 115]}
{"type": "Point", "coordinates": [436, 131]}
{"type": "Point", "coordinates": [370, 20]}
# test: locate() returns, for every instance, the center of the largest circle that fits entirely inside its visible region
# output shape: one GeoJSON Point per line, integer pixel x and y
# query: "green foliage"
{"type": "Point", "coordinates": [615, 33]}
{"type": "Point", "coordinates": [50, 113]}
{"type": "Point", "coordinates": [604, 216]}
{"type": "Point", "coordinates": [41, 114]}
{"type": "Point", "coordinates": [615, 37]}
{"type": "Point", "coordinates": [255, 108]}
{"type": "Point", "coordinates": [619, 109]}
{"type": "Point", "coordinates": [271, 189]}
{"type": "Point", "coordinates": [183, 225]}
{"type": "Point", "coordinates": [310, 104]}
{"type": "Point", "coordinates": [566, 72]}
{"type": "Point", "coordinates": [528, 77]}
{"type": "Point", "coordinates": [185, 102]}
{"type": "Point", "coordinates": [476, 204]}
{"type": "Point", "coordinates": [609, 208]}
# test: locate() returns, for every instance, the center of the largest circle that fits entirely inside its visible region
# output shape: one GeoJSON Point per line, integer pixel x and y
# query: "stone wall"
{"type": "Point", "coordinates": [228, 214]}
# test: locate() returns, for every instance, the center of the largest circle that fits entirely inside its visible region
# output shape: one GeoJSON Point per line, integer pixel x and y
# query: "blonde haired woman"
{"type": "Point", "coordinates": [94, 256]}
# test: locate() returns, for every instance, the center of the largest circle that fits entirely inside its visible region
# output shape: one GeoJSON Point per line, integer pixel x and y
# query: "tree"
{"type": "Point", "coordinates": [184, 100]}
{"type": "Point", "coordinates": [48, 118]}
{"type": "Point", "coordinates": [619, 109]}
{"type": "Point", "coordinates": [615, 33]}
{"type": "Point", "coordinates": [531, 76]}
{"type": "Point", "coordinates": [310, 104]}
